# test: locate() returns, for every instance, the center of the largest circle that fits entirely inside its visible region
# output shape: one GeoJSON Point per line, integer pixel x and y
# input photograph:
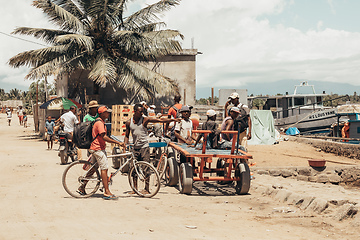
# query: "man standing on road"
{"type": "Point", "coordinates": [137, 125]}
{"type": "Point", "coordinates": [93, 114]}
{"type": "Point", "coordinates": [49, 129]}
{"type": "Point", "coordinates": [243, 118]}
{"type": "Point", "coordinates": [20, 113]}
{"type": "Point", "coordinates": [97, 149]}
{"type": "Point", "coordinates": [9, 115]}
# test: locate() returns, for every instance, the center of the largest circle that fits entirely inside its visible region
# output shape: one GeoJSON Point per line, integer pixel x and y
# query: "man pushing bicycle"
{"type": "Point", "coordinates": [97, 149]}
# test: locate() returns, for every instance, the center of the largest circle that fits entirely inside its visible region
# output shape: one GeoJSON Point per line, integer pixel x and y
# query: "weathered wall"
{"type": "Point", "coordinates": [179, 67]}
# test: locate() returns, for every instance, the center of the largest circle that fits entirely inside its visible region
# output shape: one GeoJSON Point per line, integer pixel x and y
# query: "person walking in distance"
{"type": "Point", "coordinates": [49, 129]}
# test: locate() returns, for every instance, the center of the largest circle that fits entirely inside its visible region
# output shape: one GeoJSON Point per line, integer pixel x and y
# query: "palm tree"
{"type": "Point", "coordinates": [94, 35]}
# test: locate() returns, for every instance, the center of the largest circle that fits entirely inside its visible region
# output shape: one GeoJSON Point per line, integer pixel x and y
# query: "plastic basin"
{"type": "Point", "coordinates": [317, 162]}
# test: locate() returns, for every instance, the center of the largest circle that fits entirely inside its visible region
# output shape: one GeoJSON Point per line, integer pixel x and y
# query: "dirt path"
{"type": "Point", "coordinates": [35, 206]}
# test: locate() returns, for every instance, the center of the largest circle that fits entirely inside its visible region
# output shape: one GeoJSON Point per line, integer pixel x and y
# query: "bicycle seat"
{"type": "Point", "coordinates": [157, 144]}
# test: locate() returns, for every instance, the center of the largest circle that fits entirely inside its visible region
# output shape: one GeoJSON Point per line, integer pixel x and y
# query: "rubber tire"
{"type": "Point", "coordinates": [185, 178]}
{"type": "Point", "coordinates": [144, 165]}
{"type": "Point", "coordinates": [63, 157]}
{"type": "Point", "coordinates": [243, 171]}
{"type": "Point", "coordinates": [172, 169]}
{"type": "Point", "coordinates": [65, 185]}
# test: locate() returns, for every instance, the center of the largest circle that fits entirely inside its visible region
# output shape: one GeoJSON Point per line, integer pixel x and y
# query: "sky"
{"type": "Point", "coordinates": [265, 46]}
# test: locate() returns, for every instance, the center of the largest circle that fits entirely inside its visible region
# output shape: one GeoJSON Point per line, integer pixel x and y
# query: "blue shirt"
{"type": "Point", "coordinates": [50, 127]}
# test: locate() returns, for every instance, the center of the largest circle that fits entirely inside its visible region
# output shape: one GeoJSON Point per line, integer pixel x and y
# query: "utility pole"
{"type": "Point", "coordinates": [37, 108]}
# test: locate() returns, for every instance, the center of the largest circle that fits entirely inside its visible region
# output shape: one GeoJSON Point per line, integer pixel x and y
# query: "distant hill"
{"type": "Point", "coordinates": [283, 86]}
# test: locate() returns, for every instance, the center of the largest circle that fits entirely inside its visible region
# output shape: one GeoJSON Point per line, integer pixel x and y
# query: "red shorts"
{"type": "Point", "coordinates": [21, 118]}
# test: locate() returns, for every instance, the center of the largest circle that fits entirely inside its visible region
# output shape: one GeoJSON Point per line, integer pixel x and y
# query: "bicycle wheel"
{"type": "Point", "coordinates": [144, 179]}
{"type": "Point", "coordinates": [160, 164]}
{"type": "Point", "coordinates": [81, 179]}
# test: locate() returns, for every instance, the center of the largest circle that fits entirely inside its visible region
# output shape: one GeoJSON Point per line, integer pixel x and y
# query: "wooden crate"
{"type": "Point", "coordinates": [120, 114]}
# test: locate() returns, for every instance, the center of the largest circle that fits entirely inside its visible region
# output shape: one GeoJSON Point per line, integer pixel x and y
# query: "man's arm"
{"type": "Point", "coordinates": [109, 140]}
{"type": "Point", "coordinates": [159, 120]}
{"type": "Point", "coordinates": [226, 106]}
{"type": "Point", "coordinates": [249, 133]}
{"type": "Point", "coordinates": [229, 124]}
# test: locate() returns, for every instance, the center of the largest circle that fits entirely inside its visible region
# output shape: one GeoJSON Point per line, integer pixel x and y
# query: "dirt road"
{"type": "Point", "coordinates": [35, 206]}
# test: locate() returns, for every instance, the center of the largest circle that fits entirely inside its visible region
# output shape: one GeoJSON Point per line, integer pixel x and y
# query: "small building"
{"type": "Point", "coordinates": [180, 67]}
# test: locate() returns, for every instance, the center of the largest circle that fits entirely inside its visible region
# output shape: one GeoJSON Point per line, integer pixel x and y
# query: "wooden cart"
{"type": "Point", "coordinates": [232, 165]}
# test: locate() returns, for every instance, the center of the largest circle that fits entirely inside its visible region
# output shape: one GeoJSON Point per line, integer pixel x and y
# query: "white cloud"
{"type": "Point", "coordinates": [240, 48]}
{"type": "Point", "coordinates": [239, 44]}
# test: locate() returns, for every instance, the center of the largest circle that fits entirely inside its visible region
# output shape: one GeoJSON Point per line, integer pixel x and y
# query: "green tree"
{"type": "Point", "coordinates": [94, 35]}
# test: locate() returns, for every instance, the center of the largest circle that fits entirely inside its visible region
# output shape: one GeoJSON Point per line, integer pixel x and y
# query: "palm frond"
{"type": "Point", "coordinates": [148, 14]}
{"type": "Point", "coordinates": [34, 58]}
{"type": "Point", "coordinates": [137, 73]}
{"type": "Point", "coordinates": [71, 7]}
{"type": "Point", "coordinates": [58, 15]}
{"type": "Point", "coordinates": [82, 41]}
{"type": "Point", "coordinates": [104, 70]}
{"type": "Point", "coordinates": [48, 35]}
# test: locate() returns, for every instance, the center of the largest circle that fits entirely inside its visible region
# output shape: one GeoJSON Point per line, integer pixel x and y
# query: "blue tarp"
{"type": "Point", "coordinates": [292, 131]}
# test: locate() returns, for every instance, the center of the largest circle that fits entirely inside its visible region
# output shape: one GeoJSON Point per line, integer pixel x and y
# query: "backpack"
{"type": "Point", "coordinates": [82, 135]}
{"type": "Point", "coordinates": [177, 111]}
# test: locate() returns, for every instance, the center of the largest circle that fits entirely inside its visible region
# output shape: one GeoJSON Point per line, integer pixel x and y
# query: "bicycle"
{"type": "Point", "coordinates": [85, 175]}
{"type": "Point", "coordinates": [159, 156]}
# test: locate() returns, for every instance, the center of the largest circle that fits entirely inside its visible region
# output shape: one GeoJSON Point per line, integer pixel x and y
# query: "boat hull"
{"type": "Point", "coordinates": [311, 121]}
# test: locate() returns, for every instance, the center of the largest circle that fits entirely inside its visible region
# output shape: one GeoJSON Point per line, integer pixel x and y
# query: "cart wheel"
{"type": "Point", "coordinates": [172, 169]}
{"type": "Point", "coordinates": [243, 185]}
{"type": "Point", "coordinates": [185, 178]}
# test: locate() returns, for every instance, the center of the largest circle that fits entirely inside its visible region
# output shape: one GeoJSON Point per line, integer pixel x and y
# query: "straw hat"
{"type": "Point", "coordinates": [93, 103]}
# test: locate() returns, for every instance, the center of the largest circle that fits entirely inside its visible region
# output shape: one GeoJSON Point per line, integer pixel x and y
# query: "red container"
{"type": "Point", "coordinates": [317, 162]}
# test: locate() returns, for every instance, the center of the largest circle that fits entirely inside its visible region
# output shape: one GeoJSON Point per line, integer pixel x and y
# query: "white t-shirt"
{"type": "Point", "coordinates": [184, 128]}
{"type": "Point", "coordinates": [9, 114]}
{"type": "Point", "coordinates": [69, 119]}
{"type": "Point", "coordinates": [20, 112]}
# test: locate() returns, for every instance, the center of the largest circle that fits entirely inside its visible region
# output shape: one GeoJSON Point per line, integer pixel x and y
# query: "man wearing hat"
{"type": "Point", "coordinates": [183, 129]}
{"type": "Point", "coordinates": [243, 117]}
{"type": "Point", "coordinates": [228, 125]}
{"type": "Point", "coordinates": [93, 114]}
{"type": "Point", "coordinates": [211, 125]}
{"type": "Point", "coordinates": [97, 149]}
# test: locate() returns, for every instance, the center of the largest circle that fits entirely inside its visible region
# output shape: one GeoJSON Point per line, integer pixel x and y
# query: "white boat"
{"type": "Point", "coordinates": [304, 109]}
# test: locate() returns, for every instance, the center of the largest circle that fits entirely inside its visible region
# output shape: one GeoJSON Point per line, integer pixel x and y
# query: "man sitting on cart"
{"type": "Point", "coordinates": [210, 124]}
{"type": "Point", "coordinates": [137, 125]}
{"type": "Point", "coordinates": [228, 125]}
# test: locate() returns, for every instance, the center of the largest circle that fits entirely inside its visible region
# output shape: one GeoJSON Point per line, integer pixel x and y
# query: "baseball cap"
{"type": "Point", "coordinates": [143, 103]}
{"type": "Point", "coordinates": [210, 113]}
{"type": "Point", "coordinates": [235, 109]}
{"type": "Point", "coordinates": [93, 103]}
{"type": "Point", "coordinates": [152, 106]}
{"type": "Point", "coordinates": [234, 95]}
{"type": "Point", "coordinates": [185, 108]}
{"type": "Point", "coordinates": [103, 109]}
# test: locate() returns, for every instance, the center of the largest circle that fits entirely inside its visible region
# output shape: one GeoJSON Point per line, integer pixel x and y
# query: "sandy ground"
{"type": "Point", "coordinates": [35, 205]}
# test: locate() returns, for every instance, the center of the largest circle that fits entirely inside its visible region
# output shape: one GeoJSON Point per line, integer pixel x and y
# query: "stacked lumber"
{"type": "Point", "coordinates": [120, 114]}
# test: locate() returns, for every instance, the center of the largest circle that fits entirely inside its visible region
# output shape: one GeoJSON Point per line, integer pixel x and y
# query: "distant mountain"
{"type": "Point", "coordinates": [283, 86]}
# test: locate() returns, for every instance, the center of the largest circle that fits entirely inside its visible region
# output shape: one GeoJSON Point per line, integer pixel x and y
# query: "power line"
{"type": "Point", "coordinates": [23, 39]}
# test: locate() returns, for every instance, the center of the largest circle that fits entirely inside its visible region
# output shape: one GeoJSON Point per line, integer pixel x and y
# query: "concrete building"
{"type": "Point", "coordinates": [180, 67]}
